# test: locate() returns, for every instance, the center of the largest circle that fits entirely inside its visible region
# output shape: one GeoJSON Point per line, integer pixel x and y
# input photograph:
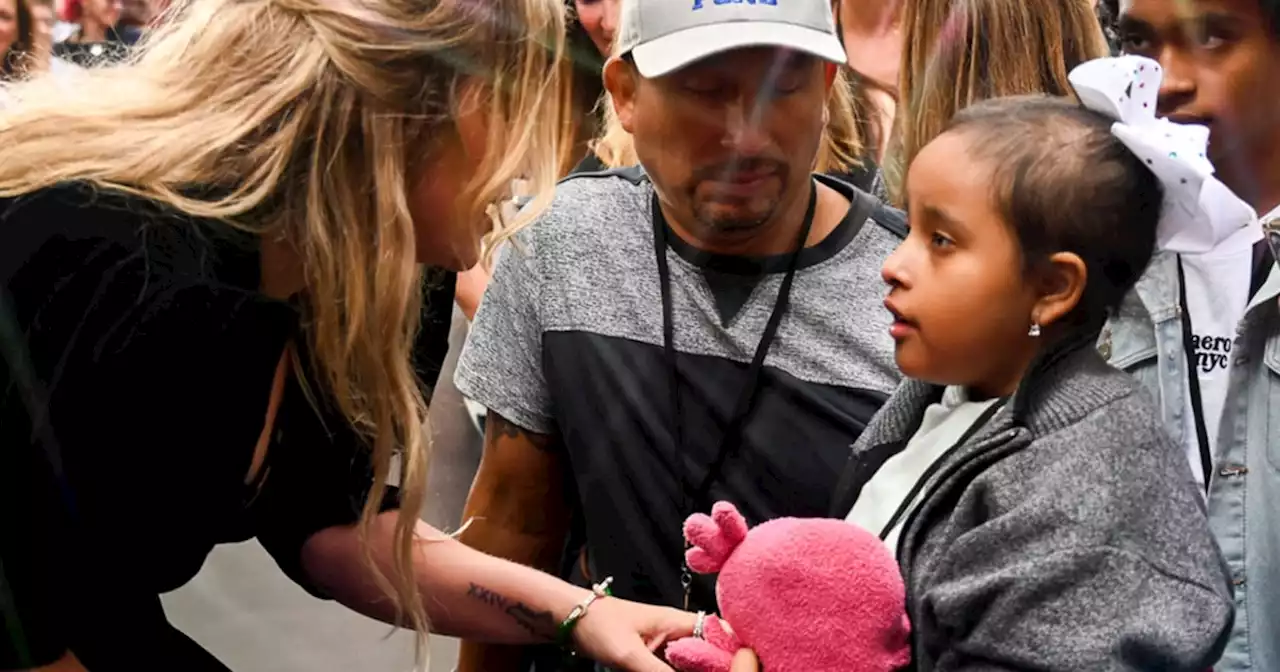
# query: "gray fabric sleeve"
{"type": "Point", "coordinates": [501, 365]}
{"type": "Point", "coordinates": [1106, 563]}
{"type": "Point", "coordinates": [1079, 609]}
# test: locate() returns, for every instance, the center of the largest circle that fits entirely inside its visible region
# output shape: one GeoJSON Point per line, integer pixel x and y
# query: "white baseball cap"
{"type": "Point", "coordinates": [665, 35]}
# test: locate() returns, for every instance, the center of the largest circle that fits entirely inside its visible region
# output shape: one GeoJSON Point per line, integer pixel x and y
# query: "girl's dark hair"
{"type": "Point", "coordinates": [1066, 184]}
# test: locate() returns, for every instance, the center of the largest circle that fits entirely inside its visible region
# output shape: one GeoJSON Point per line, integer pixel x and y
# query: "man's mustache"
{"type": "Point", "coordinates": [754, 165]}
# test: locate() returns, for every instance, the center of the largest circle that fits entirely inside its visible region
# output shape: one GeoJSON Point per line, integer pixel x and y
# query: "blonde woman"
{"type": "Point", "coordinates": [210, 282]}
{"type": "Point", "coordinates": [959, 52]}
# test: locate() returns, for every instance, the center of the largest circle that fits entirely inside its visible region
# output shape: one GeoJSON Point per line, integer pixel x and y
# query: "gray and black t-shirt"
{"type": "Point", "coordinates": [569, 340]}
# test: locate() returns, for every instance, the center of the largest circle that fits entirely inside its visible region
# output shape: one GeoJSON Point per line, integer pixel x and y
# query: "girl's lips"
{"type": "Point", "coordinates": [901, 327]}
{"type": "Point", "coordinates": [900, 330]}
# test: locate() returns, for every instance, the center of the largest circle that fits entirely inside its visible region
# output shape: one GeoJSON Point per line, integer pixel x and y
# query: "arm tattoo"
{"type": "Point", "coordinates": [540, 624]}
{"type": "Point", "coordinates": [511, 431]}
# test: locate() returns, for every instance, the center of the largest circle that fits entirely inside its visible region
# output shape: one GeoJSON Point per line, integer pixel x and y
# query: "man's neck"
{"type": "Point", "coordinates": [777, 236]}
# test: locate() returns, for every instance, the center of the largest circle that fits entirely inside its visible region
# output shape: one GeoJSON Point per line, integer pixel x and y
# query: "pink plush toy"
{"type": "Point", "coordinates": [806, 594]}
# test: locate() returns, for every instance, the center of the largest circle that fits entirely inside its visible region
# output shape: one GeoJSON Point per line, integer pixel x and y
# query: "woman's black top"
{"type": "Point", "coordinates": [136, 360]}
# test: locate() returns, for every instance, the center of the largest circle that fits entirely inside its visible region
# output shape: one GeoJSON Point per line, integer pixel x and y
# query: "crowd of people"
{"type": "Point", "coordinates": [994, 280]}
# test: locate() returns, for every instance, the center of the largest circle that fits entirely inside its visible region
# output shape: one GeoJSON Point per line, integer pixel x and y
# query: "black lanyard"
{"type": "Point", "coordinates": [926, 479]}
{"type": "Point", "coordinates": [1193, 379]}
{"type": "Point", "coordinates": [696, 498]}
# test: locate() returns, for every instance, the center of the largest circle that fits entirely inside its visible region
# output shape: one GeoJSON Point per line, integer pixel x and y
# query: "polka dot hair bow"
{"type": "Point", "coordinates": [1199, 211]}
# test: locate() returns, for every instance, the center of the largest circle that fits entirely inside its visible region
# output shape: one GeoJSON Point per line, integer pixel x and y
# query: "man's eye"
{"type": "Point", "coordinates": [940, 240]}
{"type": "Point", "coordinates": [1134, 44]}
{"type": "Point", "coordinates": [1208, 40]}
{"type": "Point", "coordinates": [787, 83]}
{"type": "Point", "coordinates": [701, 85]}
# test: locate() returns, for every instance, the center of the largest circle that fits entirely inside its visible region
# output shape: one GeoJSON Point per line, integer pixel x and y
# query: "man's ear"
{"type": "Point", "coordinates": [1060, 284]}
{"type": "Point", "coordinates": [622, 81]}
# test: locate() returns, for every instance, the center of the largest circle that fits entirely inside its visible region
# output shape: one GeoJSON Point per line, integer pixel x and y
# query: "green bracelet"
{"type": "Point", "coordinates": [564, 635]}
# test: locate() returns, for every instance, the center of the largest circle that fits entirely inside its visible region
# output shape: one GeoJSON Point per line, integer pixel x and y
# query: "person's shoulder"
{"type": "Point", "coordinates": [110, 227]}
{"type": "Point", "coordinates": [590, 207]}
{"type": "Point", "coordinates": [1124, 415]}
{"type": "Point", "coordinates": [624, 187]}
{"type": "Point", "coordinates": [878, 228]}
{"type": "Point", "coordinates": [1112, 456]}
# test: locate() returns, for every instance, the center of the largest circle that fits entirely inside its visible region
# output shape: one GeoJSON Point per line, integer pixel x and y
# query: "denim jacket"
{"type": "Point", "coordinates": [1145, 339]}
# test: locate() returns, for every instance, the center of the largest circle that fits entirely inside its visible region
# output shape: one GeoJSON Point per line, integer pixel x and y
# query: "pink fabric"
{"type": "Point", "coordinates": [807, 595]}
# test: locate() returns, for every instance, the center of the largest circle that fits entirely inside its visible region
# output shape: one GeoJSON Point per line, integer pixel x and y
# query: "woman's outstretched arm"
{"type": "Point", "coordinates": [471, 595]}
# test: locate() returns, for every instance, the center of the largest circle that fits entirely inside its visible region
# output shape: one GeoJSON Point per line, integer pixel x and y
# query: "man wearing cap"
{"type": "Point", "coordinates": [707, 327]}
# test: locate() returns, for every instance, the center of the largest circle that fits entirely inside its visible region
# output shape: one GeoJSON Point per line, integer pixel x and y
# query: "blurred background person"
{"type": "Point", "coordinates": [958, 52]}
{"type": "Point", "coordinates": [871, 31]}
{"type": "Point", "coordinates": [1108, 12]}
{"type": "Point", "coordinates": [94, 39]}
{"type": "Point", "coordinates": [44, 20]}
{"type": "Point", "coordinates": [15, 37]}
{"type": "Point", "coordinates": [592, 27]}
{"type": "Point", "coordinates": [135, 17]}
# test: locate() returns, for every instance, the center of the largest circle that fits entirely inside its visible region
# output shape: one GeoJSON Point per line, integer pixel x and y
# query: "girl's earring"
{"type": "Point", "coordinates": [1034, 331]}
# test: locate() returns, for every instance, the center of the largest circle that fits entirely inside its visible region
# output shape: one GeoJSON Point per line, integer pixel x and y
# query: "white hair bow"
{"type": "Point", "coordinates": [1199, 211]}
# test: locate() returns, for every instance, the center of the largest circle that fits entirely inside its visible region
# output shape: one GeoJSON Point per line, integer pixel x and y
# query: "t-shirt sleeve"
{"type": "Point", "coordinates": [501, 364]}
{"type": "Point", "coordinates": [319, 473]}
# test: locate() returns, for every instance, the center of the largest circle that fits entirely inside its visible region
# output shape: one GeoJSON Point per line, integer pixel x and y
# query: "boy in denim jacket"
{"type": "Point", "coordinates": [1202, 332]}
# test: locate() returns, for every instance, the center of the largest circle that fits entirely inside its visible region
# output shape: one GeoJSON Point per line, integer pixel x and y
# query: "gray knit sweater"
{"type": "Point", "coordinates": [1065, 534]}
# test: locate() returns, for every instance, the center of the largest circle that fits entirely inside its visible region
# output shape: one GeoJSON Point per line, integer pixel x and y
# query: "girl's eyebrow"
{"type": "Point", "coordinates": [939, 214]}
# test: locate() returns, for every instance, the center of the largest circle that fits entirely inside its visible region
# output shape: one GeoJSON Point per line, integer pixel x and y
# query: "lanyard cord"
{"type": "Point", "coordinates": [731, 439]}
{"type": "Point", "coordinates": [1193, 379]}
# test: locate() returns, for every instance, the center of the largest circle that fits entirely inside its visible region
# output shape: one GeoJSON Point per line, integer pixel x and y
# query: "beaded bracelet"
{"type": "Point", "coordinates": [564, 636]}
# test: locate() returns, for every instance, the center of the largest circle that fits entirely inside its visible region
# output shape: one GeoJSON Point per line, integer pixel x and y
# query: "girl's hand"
{"type": "Point", "coordinates": [745, 661]}
{"type": "Point", "coordinates": [626, 634]}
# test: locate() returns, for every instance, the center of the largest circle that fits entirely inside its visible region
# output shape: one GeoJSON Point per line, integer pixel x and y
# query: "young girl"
{"type": "Point", "coordinates": [1041, 516]}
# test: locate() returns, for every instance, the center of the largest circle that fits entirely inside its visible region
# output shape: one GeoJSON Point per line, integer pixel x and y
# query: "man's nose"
{"type": "Point", "coordinates": [744, 132]}
{"type": "Point", "coordinates": [1178, 86]}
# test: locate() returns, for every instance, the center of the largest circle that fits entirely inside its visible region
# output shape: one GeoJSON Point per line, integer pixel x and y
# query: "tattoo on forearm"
{"type": "Point", "coordinates": [487, 596]}
{"type": "Point", "coordinates": [509, 430]}
{"type": "Point", "coordinates": [540, 624]}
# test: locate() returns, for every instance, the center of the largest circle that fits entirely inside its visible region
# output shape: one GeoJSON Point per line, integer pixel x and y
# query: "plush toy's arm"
{"type": "Point", "coordinates": [698, 655]}
{"type": "Point", "coordinates": [714, 654]}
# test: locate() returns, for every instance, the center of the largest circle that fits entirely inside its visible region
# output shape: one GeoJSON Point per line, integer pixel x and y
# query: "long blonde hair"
{"type": "Point", "coordinates": [307, 118]}
{"type": "Point", "coordinates": [958, 52]}
{"type": "Point", "coordinates": [842, 148]}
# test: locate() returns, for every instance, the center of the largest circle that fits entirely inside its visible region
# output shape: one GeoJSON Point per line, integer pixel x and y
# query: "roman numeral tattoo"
{"type": "Point", "coordinates": [540, 624]}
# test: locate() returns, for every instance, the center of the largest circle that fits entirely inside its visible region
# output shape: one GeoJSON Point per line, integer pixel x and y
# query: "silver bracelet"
{"type": "Point", "coordinates": [598, 591]}
{"type": "Point", "coordinates": [699, 626]}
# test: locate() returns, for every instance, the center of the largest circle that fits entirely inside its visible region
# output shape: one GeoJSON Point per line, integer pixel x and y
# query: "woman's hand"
{"type": "Point", "coordinates": [745, 661]}
{"type": "Point", "coordinates": [626, 634]}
